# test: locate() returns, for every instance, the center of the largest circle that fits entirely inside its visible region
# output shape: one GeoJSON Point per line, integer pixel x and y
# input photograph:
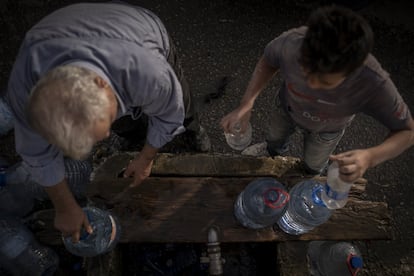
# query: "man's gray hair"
{"type": "Point", "coordinates": [63, 107]}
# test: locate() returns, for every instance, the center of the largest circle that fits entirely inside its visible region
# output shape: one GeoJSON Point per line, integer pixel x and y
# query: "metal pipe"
{"type": "Point", "coordinates": [214, 252]}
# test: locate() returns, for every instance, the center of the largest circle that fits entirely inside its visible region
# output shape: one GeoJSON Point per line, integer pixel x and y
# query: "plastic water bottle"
{"type": "Point", "coordinates": [327, 258]}
{"type": "Point", "coordinates": [3, 167]}
{"type": "Point", "coordinates": [105, 235]}
{"type": "Point", "coordinates": [336, 190]}
{"type": "Point", "coordinates": [21, 254]}
{"type": "Point", "coordinates": [6, 117]}
{"type": "Point", "coordinates": [305, 210]}
{"type": "Point", "coordinates": [15, 196]}
{"type": "Point", "coordinates": [261, 203]}
{"type": "Point", "coordinates": [239, 140]}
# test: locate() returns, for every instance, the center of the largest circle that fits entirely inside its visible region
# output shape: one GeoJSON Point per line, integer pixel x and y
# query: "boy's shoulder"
{"type": "Point", "coordinates": [374, 68]}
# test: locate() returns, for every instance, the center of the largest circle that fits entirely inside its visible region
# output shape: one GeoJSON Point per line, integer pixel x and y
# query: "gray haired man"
{"type": "Point", "coordinates": [78, 70]}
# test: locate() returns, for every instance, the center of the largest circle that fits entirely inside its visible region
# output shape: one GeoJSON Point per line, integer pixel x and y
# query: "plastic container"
{"type": "Point", "coordinates": [305, 210]}
{"type": "Point", "coordinates": [327, 258]}
{"type": "Point", "coordinates": [261, 203]}
{"type": "Point", "coordinates": [21, 254]}
{"type": "Point", "coordinates": [239, 140]}
{"type": "Point", "coordinates": [6, 117]}
{"type": "Point", "coordinates": [16, 197]}
{"type": "Point", "coordinates": [336, 190]}
{"type": "Point", "coordinates": [106, 234]}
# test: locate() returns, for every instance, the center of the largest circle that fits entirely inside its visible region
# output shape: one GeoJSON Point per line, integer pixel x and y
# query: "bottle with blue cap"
{"type": "Point", "coordinates": [261, 203]}
{"type": "Point", "coordinates": [327, 258]}
{"type": "Point", "coordinates": [106, 234]}
{"type": "Point", "coordinates": [305, 209]}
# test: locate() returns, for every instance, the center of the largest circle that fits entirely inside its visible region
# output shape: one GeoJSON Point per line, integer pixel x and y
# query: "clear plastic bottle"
{"type": "Point", "coordinates": [305, 210]}
{"type": "Point", "coordinates": [15, 197]}
{"type": "Point", "coordinates": [6, 117]}
{"type": "Point", "coordinates": [106, 234]}
{"type": "Point", "coordinates": [261, 203]}
{"type": "Point", "coordinates": [336, 190]}
{"type": "Point", "coordinates": [239, 140]}
{"type": "Point", "coordinates": [21, 254]}
{"type": "Point", "coordinates": [327, 258]}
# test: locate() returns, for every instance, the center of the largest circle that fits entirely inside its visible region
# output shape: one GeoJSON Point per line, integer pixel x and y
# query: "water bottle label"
{"type": "Point", "coordinates": [334, 194]}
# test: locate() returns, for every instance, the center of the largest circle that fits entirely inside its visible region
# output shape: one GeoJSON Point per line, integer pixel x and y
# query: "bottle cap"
{"type": "Point", "coordinates": [356, 262]}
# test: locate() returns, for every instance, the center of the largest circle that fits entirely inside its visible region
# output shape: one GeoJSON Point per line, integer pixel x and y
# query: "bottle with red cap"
{"type": "Point", "coordinates": [327, 258]}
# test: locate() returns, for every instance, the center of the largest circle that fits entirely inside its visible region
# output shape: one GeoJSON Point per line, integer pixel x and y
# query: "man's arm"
{"type": "Point", "coordinates": [262, 74]}
{"type": "Point", "coordinates": [353, 164]}
{"type": "Point", "coordinates": [69, 217]}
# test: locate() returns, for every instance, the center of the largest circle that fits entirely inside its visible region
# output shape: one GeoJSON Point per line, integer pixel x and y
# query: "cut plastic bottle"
{"type": "Point", "coordinates": [238, 140]}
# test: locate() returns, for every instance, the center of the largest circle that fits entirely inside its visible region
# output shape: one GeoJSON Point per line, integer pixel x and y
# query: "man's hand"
{"type": "Point", "coordinates": [352, 164]}
{"type": "Point", "coordinates": [69, 217]}
{"type": "Point", "coordinates": [70, 222]}
{"type": "Point", "coordinates": [140, 167]}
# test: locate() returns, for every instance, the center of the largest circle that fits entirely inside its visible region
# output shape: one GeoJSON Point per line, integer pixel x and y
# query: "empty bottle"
{"type": "Point", "coordinates": [239, 140]}
{"type": "Point", "coordinates": [327, 258]}
{"type": "Point", "coordinates": [21, 254]}
{"type": "Point", "coordinates": [105, 235]}
{"type": "Point", "coordinates": [3, 167]}
{"type": "Point", "coordinates": [261, 203]}
{"type": "Point", "coordinates": [305, 209]}
{"type": "Point", "coordinates": [15, 197]}
{"type": "Point", "coordinates": [336, 190]}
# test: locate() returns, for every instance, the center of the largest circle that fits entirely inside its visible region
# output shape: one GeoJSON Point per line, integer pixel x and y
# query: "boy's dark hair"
{"type": "Point", "coordinates": [337, 41]}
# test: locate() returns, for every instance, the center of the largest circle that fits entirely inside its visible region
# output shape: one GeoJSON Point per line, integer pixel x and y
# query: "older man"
{"type": "Point", "coordinates": [79, 69]}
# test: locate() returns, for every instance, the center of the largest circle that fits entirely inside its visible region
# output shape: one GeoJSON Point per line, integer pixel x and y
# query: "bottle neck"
{"type": "Point", "coordinates": [316, 196]}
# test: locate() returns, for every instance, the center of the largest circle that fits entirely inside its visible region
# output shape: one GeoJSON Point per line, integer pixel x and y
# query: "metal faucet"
{"type": "Point", "coordinates": [214, 253]}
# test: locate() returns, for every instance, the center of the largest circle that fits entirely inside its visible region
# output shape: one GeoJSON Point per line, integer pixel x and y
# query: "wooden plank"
{"type": "Point", "coordinates": [177, 209]}
{"type": "Point", "coordinates": [174, 208]}
{"type": "Point", "coordinates": [203, 165]}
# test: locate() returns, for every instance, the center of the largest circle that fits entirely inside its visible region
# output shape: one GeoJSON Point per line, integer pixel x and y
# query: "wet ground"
{"type": "Point", "coordinates": [225, 38]}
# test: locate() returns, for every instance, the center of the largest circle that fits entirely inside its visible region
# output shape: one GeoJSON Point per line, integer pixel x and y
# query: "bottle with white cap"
{"type": "Point", "coordinates": [336, 190]}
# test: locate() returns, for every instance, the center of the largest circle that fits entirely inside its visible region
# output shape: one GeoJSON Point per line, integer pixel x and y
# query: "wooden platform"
{"type": "Point", "coordinates": [190, 193]}
{"type": "Point", "coordinates": [187, 194]}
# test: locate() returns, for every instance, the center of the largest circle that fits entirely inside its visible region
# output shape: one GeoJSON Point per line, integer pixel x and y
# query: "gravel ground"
{"type": "Point", "coordinates": [225, 38]}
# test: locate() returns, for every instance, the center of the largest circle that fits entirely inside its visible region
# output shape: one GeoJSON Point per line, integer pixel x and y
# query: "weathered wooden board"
{"type": "Point", "coordinates": [203, 165]}
{"type": "Point", "coordinates": [178, 209]}
{"type": "Point", "coordinates": [170, 207]}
